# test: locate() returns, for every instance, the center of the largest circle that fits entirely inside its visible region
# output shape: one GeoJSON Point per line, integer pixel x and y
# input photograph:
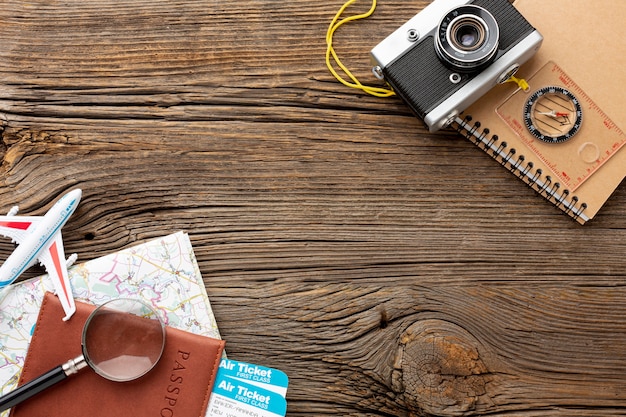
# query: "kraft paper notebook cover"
{"type": "Point", "coordinates": [584, 52]}
{"type": "Point", "coordinates": [180, 384]}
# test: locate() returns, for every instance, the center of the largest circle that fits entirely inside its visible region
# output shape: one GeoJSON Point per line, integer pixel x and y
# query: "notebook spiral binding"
{"type": "Point", "coordinates": [521, 168]}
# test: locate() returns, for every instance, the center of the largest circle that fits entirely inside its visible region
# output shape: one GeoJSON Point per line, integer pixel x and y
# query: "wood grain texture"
{"type": "Point", "coordinates": [388, 271]}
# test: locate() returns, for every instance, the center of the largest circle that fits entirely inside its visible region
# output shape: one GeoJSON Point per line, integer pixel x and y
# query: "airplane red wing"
{"type": "Point", "coordinates": [16, 227]}
{"type": "Point", "coordinates": [53, 259]}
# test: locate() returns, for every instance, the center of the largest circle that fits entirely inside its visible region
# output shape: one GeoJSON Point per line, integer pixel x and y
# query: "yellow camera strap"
{"type": "Point", "coordinates": [330, 53]}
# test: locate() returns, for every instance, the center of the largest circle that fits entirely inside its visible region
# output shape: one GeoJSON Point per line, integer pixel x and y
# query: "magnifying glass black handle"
{"type": "Point", "coordinates": [41, 383]}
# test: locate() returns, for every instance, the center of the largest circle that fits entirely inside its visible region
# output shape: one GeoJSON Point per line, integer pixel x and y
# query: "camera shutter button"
{"type": "Point", "coordinates": [413, 35]}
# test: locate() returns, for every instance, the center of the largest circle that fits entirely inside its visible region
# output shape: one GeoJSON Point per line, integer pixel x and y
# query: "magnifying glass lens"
{"type": "Point", "coordinates": [121, 346]}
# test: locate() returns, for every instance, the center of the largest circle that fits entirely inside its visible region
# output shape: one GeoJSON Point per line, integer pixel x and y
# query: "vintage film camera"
{"type": "Point", "coordinates": [453, 52]}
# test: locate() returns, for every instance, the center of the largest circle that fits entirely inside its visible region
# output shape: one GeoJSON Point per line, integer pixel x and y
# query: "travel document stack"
{"type": "Point", "coordinates": [163, 273]}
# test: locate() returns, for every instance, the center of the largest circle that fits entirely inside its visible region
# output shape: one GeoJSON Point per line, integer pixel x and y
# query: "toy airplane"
{"type": "Point", "coordinates": [39, 238]}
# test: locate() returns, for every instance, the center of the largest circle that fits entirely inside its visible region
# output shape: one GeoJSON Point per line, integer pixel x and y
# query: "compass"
{"type": "Point", "coordinates": [553, 114]}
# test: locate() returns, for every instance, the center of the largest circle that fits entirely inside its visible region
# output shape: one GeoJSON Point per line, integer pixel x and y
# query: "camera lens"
{"type": "Point", "coordinates": [467, 35]}
{"type": "Point", "coordinates": [467, 38]}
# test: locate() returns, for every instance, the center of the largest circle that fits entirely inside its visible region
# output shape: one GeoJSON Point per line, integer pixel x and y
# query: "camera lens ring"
{"type": "Point", "coordinates": [467, 38]}
{"type": "Point", "coordinates": [466, 33]}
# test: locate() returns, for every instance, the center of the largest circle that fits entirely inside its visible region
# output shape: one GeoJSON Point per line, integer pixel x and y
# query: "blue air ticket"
{"type": "Point", "coordinates": [243, 389]}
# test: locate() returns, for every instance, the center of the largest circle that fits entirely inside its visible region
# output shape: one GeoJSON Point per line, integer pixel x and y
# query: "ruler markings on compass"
{"type": "Point", "coordinates": [566, 158]}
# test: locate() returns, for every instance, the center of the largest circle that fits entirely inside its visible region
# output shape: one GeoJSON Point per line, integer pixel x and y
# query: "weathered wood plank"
{"type": "Point", "coordinates": [389, 271]}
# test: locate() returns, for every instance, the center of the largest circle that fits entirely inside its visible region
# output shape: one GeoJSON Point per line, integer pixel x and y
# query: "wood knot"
{"type": "Point", "coordinates": [438, 369]}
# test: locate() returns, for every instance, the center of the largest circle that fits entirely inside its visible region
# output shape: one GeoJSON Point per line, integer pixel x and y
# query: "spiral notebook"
{"type": "Point", "coordinates": [580, 164]}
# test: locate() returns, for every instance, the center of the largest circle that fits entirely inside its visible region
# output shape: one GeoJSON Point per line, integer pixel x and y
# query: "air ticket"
{"type": "Point", "coordinates": [244, 389]}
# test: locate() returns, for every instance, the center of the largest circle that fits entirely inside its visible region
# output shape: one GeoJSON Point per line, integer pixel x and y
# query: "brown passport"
{"type": "Point", "coordinates": [179, 385]}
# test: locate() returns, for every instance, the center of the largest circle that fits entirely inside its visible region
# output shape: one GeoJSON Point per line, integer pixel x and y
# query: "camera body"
{"type": "Point", "coordinates": [453, 52]}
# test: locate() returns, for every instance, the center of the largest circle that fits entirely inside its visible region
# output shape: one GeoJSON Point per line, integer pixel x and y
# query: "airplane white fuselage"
{"type": "Point", "coordinates": [25, 255]}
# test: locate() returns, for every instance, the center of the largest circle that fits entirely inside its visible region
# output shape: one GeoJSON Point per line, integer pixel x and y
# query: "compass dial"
{"type": "Point", "coordinates": [553, 114]}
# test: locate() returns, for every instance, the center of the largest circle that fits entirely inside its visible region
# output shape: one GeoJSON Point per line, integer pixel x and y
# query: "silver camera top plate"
{"type": "Point", "coordinates": [416, 28]}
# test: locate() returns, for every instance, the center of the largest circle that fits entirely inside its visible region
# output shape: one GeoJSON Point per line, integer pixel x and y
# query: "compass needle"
{"type": "Point", "coordinates": [547, 114]}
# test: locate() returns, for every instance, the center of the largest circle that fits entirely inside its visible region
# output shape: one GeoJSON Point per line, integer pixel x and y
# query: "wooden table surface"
{"type": "Point", "coordinates": [388, 271]}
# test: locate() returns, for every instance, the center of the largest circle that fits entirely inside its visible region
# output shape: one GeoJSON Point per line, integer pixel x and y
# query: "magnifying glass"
{"type": "Point", "coordinates": [122, 340]}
